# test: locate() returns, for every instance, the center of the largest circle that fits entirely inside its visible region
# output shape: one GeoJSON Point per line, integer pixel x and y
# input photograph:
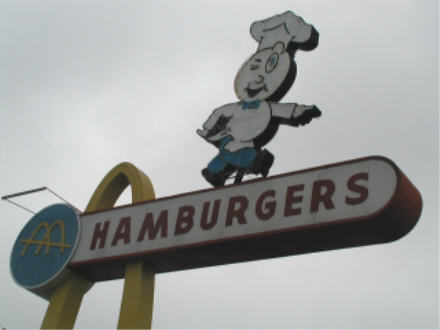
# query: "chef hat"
{"type": "Point", "coordinates": [286, 27]}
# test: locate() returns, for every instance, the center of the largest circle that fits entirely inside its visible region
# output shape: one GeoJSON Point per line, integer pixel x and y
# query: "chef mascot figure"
{"type": "Point", "coordinates": [240, 130]}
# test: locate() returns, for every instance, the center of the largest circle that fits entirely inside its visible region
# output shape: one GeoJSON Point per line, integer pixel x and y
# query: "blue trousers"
{"type": "Point", "coordinates": [240, 158]}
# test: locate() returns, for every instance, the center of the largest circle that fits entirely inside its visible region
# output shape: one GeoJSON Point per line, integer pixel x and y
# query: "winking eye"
{"type": "Point", "coordinates": [272, 62]}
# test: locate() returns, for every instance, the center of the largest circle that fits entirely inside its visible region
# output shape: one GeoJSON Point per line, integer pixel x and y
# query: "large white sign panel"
{"type": "Point", "coordinates": [350, 191]}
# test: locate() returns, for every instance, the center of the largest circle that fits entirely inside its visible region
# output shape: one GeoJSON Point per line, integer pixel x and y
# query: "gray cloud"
{"type": "Point", "coordinates": [86, 85]}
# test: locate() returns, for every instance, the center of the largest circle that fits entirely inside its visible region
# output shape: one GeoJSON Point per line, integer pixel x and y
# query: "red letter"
{"type": "Point", "coordinates": [270, 207]}
{"type": "Point", "coordinates": [123, 231]}
{"type": "Point", "coordinates": [361, 190]}
{"type": "Point", "coordinates": [99, 234]}
{"type": "Point", "coordinates": [318, 196]}
{"type": "Point", "coordinates": [214, 216]}
{"type": "Point", "coordinates": [292, 199]}
{"type": "Point", "coordinates": [184, 220]}
{"type": "Point", "coordinates": [147, 225]}
{"type": "Point", "coordinates": [236, 213]}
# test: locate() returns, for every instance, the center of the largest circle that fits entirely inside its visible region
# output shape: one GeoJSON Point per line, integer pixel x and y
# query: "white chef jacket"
{"type": "Point", "coordinates": [245, 125]}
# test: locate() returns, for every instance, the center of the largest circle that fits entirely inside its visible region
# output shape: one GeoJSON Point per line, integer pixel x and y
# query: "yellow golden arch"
{"type": "Point", "coordinates": [115, 182]}
{"type": "Point", "coordinates": [137, 299]}
{"type": "Point", "coordinates": [46, 240]}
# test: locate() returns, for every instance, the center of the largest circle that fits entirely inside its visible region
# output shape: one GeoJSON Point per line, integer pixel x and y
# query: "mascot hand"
{"type": "Point", "coordinates": [304, 114]}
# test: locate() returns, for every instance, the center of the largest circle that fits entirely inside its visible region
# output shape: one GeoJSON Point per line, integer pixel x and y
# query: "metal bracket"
{"type": "Point", "coordinates": [8, 197]}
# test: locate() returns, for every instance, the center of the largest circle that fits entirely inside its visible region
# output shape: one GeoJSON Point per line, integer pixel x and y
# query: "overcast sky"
{"type": "Point", "coordinates": [85, 85]}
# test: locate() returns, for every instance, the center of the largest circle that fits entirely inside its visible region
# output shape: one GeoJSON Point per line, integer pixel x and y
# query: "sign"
{"type": "Point", "coordinates": [364, 201]}
{"type": "Point", "coordinates": [353, 203]}
{"type": "Point", "coordinates": [44, 248]}
{"type": "Point", "coordinates": [240, 130]}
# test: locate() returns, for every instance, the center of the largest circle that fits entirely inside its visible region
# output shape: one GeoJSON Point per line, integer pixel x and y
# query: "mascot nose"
{"type": "Point", "coordinates": [260, 79]}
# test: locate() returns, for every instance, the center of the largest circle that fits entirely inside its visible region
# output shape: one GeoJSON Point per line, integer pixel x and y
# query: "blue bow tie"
{"type": "Point", "coordinates": [250, 105]}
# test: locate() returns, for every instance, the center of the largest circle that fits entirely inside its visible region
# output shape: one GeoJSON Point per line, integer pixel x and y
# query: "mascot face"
{"type": "Point", "coordinates": [263, 74]}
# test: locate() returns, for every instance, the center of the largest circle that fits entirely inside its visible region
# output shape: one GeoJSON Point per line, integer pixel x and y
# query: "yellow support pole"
{"type": "Point", "coordinates": [65, 302]}
{"type": "Point", "coordinates": [66, 299]}
{"type": "Point", "coordinates": [137, 300]}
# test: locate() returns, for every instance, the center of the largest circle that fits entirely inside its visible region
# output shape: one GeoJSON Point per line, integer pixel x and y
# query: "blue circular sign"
{"type": "Point", "coordinates": [45, 246]}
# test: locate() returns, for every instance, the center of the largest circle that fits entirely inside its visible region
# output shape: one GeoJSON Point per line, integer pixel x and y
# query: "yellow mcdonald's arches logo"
{"type": "Point", "coordinates": [46, 240]}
